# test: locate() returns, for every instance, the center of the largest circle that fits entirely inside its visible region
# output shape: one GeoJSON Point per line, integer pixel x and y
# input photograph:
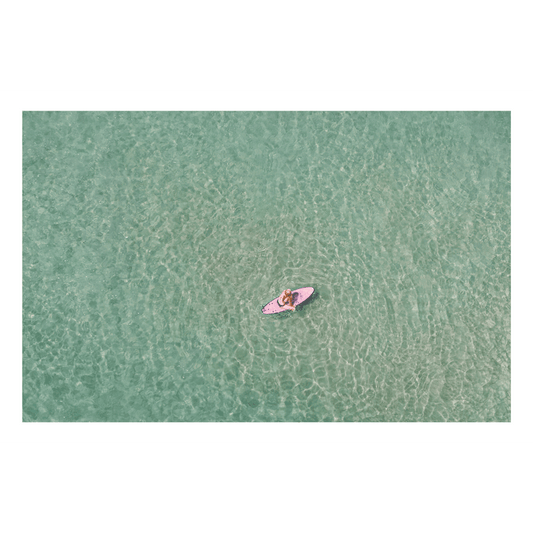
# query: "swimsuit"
{"type": "Point", "coordinates": [281, 304]}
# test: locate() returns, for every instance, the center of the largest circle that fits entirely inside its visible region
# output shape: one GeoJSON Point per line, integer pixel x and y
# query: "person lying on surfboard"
{"type": "Point", "coordinates": [285, 300]}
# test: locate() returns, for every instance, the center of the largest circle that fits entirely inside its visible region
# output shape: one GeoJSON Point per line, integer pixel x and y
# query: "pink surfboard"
{"type": "Point", "coordinates": [299, 296]}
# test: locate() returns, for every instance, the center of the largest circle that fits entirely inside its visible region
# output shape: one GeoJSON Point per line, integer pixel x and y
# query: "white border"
{"type": "Point", "coordinates": [13, 101]}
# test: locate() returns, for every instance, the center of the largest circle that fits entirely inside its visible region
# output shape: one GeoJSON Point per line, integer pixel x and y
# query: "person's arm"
{"type": "Point", "coordinates": [288, 305]}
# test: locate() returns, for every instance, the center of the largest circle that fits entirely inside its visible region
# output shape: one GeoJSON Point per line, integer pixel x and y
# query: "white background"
{"type": "Point", "coordinates": [13, 101]}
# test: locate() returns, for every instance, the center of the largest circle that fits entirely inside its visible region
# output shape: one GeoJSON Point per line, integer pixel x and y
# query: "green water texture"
{"type": "Point", "coordinates": [151, 241]}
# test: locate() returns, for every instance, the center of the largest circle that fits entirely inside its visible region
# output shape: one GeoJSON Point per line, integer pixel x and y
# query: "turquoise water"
{"type": "Point", "coordinates": [152, 240]}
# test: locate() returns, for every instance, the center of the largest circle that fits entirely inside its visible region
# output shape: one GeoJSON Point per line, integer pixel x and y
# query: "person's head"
{"type": "Point", "coordinates": [287, 292]}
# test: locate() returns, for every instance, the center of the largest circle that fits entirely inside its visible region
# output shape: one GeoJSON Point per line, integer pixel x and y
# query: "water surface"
{"type": "Point", "coordinates": [152, 240]}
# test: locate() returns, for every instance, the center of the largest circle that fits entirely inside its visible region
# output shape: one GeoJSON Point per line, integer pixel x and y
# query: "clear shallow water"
{"type": "Point", "coordinates": [152, 240]}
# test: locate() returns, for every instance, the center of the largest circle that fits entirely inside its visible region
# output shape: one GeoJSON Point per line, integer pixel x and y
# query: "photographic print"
{"type": "Point", "coordinates": [266, 266]}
